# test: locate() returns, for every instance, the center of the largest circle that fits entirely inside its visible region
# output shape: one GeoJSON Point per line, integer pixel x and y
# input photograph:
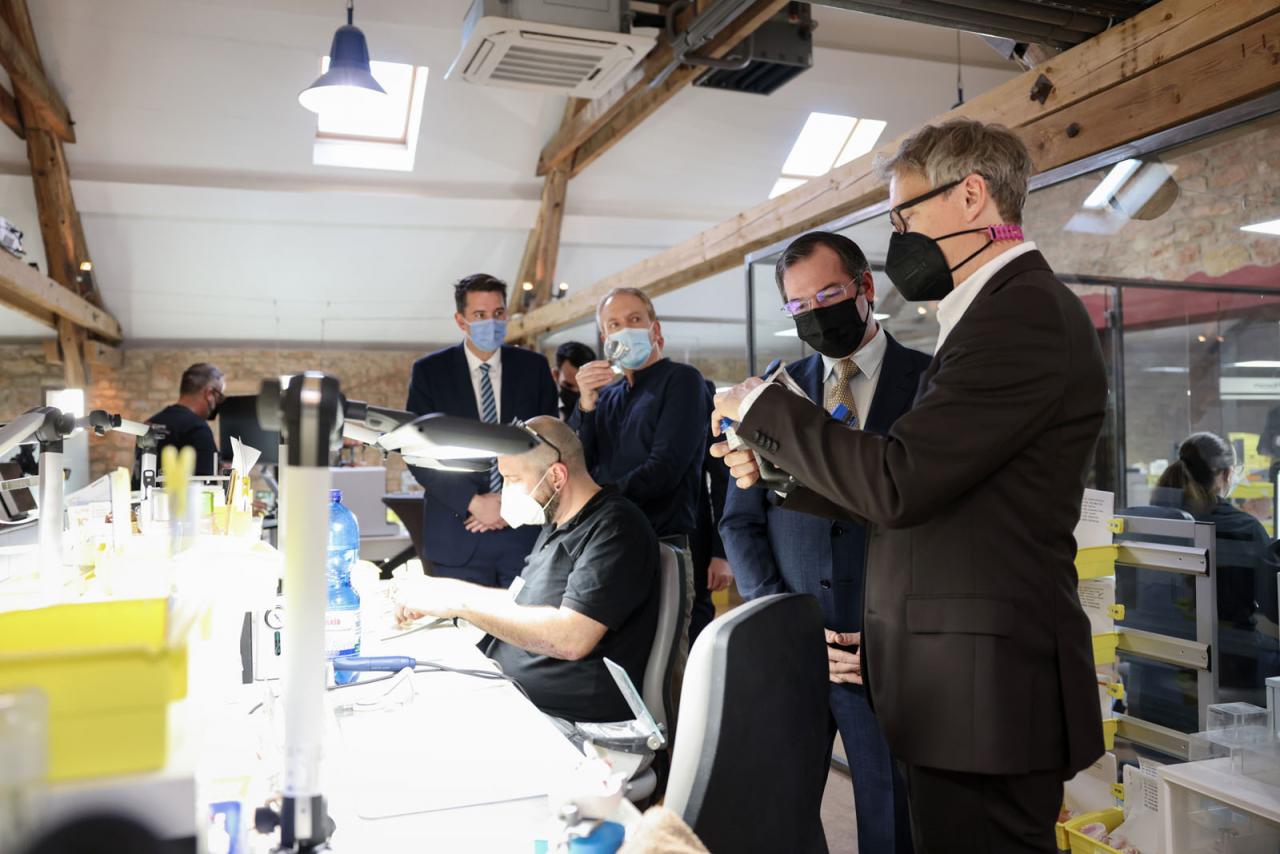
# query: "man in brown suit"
{"type": "Point", "coordinates": [976, 651]}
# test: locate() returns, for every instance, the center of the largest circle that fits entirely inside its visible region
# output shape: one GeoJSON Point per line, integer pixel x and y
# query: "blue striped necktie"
{"type": "Point", "coordinates": [489, 415]}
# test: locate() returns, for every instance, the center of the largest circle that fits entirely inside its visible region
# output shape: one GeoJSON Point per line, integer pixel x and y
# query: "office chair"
{"type": "Point", "coordinates": [753, 717]}
{"type": "Point", "coordinates": [409, 510]}
{"type": "Point", "coordinates": [656, 691]}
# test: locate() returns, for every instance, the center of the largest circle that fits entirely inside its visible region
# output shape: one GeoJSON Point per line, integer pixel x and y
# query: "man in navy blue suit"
{"type": "Point", "coordinates": [828, 290]}
{"type": "Point", "coordinates": [464, 535]}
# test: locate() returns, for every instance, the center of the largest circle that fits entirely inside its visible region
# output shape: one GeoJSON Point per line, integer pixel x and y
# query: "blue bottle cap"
{"type": "Point", "coordinates": [335, 496]}
{"type": "Point", "coordinates": [727, 424]}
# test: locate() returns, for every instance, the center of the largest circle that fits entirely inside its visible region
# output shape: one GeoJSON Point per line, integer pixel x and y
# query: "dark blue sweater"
{"type": "Point", "coordinates": [648, 440]}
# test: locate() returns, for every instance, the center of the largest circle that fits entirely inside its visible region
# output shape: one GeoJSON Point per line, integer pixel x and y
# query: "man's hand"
{"type": "Point", "coordinates": [486, 513]}
{"type": "Point", "coordinates": [728, 403]}
{"type": "Point", "coordinates": [719, 575]}
{"type": "Point", "coordinates": [842, 665]}
{"type": "Point", "coordinates": [742, 464]}
{"type": "Point", "coordinates": [592, 377]}
{"type": "Point", "coordinates": [426, 597]}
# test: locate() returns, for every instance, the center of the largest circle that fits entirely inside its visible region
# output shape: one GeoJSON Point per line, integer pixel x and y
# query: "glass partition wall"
{"type": "Point", "coordinates": [1173, 246]}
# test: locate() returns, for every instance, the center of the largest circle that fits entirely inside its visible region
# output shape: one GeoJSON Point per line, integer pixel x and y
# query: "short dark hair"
{"type": "Point", "coordinates": [574, 352]}
{"type": "Point", "coordinates": [851, 257]}
{"type": "Point", "coordinates": [198, 377]}
{"type": "Point", "coordinates": [477, 283]}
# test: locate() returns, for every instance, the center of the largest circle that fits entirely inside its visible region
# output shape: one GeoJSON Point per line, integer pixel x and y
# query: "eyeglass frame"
{"type": "Point", "coordinates": [895, 213]}
{"type": "Point", "coordinates": [855, 282]}
{"type": "Point", "coordinates": [518, 422]}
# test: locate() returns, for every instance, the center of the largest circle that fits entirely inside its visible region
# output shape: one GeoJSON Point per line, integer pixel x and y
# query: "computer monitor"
{"type": "Point", "coordinates": [238, 416]}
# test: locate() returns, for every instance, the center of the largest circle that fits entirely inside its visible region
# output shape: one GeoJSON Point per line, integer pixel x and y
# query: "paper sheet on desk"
{"type": "Point", "coordinates": [450, 749]}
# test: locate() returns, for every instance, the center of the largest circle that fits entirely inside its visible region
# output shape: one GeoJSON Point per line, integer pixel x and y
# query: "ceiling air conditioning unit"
{"type": "Point", "coordinates": [570, 47]}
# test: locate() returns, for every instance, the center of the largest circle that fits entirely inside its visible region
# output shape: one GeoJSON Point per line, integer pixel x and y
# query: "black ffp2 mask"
{"type": "Point", "coordinates": [918, 268]}
{"type": "Point", "coordinates": [834, 330]}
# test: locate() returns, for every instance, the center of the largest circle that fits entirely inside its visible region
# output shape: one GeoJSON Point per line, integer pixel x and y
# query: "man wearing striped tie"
{"type": "Point", "coordinates": [463, 534]}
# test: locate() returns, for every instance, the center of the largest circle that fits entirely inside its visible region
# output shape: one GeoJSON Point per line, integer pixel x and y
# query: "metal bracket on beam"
{"type": "Point", "coordinates": [1041, 88]}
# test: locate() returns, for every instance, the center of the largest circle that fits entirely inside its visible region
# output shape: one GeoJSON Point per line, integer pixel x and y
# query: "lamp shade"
{"type": "Point", "coordinates": [348, 84]}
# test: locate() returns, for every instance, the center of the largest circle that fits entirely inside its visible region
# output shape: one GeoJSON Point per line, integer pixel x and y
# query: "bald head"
{"type": "Point", "coordinates": [556, 434]}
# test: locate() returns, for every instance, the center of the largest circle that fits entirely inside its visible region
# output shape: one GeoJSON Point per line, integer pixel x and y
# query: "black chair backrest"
{"type": "Point", "coordinates": [754, 719]}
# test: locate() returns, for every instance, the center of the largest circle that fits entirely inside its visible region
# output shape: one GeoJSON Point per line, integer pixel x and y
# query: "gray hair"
{"type": "Point", "coordinates": [560, 435]}
{"type": "Point", "coordinates": [961, 147]}
{"type": "Point", "coordinates": [635, 292]}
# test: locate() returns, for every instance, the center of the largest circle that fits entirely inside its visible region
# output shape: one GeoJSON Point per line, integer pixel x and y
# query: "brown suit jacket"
{"type": "Point", "coordinates": [976, 651]}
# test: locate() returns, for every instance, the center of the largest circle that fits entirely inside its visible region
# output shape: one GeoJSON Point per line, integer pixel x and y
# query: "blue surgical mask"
{"type": "Point", "coordinates": [629, 348]}
{"type": "Point", "coordinates": [487, 334]}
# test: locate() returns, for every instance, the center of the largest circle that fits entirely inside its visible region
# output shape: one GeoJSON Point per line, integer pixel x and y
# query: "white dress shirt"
{"type": "Point", "coordinates": [955, 304]}
{"type": "Point", "coordinates": [495, 378]}
{"type": "Point", "coordinates": [863, 385]}
{"type": "Point", "coordinates": [869, 360]}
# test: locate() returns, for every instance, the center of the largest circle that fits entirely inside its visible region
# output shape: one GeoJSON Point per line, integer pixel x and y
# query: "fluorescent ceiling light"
{"type": "Point", "coordinates": [1270, 227]}
{"type": "Point", "coordinates": [879, 316]}
{"type": "Point", "coordinates": [789, 332]}
{"type": "Point", "coordinates": [1258, 363]}
{"type": "Point", "coordinates": [863, 139]}
{"type": "Point", "coordinates": [1166, 369]}
{"type": "Point", "coordinates": [1107, 188]}
{"type": "Point", "coordinates": [784, 185]}
{"type": "Point", "coordinates": [819, 142]}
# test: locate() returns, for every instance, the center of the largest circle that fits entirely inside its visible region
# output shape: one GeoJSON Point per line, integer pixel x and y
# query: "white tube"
{"type": "Point", "coordinates": [52, 577]}
{"type": "Point", "coordinates": [305, 516]}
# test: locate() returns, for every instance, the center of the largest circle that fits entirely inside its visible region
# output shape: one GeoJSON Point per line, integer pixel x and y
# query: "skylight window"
{"type": "Point", "coordinates": [826, 141]}
{"type": "Point", "coordinates": [382, 137]}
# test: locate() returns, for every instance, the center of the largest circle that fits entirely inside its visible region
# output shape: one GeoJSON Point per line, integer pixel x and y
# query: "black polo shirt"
{"type": "Point", "coordinates": [186, 429]}
{"type": "Point", "coordinates": [602, 563]}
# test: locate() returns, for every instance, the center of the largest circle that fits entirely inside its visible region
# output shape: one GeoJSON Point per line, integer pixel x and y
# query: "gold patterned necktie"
{"type": "Point", "coordinates": [840, 391]}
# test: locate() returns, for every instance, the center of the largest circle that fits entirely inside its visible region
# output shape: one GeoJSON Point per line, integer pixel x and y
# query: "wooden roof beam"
{"type": "Point", "coordinates": [29, 81]}
{"type": "Point", "coordinates": [36, 295]}
{"type": "Point", "coordinates": [1171, 63]}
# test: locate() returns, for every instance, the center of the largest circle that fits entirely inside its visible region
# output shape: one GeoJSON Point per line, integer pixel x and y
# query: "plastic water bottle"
{"type": "Point", "coordinates": [342, 617]}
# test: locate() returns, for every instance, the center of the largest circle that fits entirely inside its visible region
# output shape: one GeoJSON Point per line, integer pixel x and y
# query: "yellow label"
{"type": "Point", "coordinates": [1116, 611]}
{"type": "Point", "coordinates": [1116, 689]}
{"type": "Point", "coordinates": [1116, 526]}
{"type": "Point", "coordinates": [1117, 791]}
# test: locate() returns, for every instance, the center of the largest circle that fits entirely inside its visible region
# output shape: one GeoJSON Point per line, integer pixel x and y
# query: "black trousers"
{"type": "Point", "coordinates": [956, 812]}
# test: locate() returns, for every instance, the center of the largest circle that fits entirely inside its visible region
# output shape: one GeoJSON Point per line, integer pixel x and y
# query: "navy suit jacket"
{"type": "Point", "coordinates": [441, 382]}
{"type": "Point", "coordinates": [772, 550]}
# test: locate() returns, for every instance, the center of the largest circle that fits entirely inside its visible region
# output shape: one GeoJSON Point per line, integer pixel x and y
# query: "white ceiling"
{"type": "Point", "coordinates": [207, 221]}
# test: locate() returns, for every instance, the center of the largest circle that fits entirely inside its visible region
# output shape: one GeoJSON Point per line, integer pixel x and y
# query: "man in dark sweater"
{"type": "Point", "coordinates": [644, 429]}
{"type": "Point", "coordinates": [186, 422]}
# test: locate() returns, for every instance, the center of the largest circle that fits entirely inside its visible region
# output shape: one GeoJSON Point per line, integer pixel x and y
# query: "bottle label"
{"type": "Point", "coordinates": [342, 633]}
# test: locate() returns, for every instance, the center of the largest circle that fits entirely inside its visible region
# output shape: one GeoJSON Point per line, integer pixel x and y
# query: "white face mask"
{"type": "Point", "coordinates": [520, 508]}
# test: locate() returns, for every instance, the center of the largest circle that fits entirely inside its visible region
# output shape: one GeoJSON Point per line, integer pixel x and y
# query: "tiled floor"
{"type": "Point", "coordinates": [838, 818]}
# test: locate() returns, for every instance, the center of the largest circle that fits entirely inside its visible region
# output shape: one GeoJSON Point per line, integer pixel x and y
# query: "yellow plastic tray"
{"type": "Point", "coordinates": [108, 675]}
{"type": "Point", "coordinates": [1096, 562]}
{"type": "Point", "coordinates": [1060, 831]}
{"type": "Point", "coordinates": [1104, 648]}
{"type": "Point", "coordinates": [1081, 844]}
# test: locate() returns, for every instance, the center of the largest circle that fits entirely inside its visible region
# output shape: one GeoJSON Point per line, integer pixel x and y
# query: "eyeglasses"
{"type": "Point", "coordinates": [537, 437]}
{"type": "Point", "coordinates": [824, 297]}
{"type": "Point", "coordinates": [895, 213]}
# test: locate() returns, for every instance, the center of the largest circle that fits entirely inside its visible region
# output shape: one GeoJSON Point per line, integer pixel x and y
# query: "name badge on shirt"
{"type": "Point", "coordinates": [517, 586]}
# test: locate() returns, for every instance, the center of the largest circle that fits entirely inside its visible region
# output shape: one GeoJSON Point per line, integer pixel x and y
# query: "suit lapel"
{"type": "Point", "coordinates": [1032, 260]}
{"type": "Point", "coordinates": [808, 374]}
{"type": "Point", "coordinates": [895, 389]}
{"type": "Point", "coordinates": [463, 390]}
{"type": "Point", "coordinates": [506, 398]}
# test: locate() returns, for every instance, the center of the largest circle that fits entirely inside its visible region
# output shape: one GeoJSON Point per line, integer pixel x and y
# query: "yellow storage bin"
{"type": "Point", "coordinates": [1109, 726]}
{"type": "Point", "coordinates": [1060, 831]}
{"type": "Point", "coordinates": [1104, 647]}
{"type": "Point", "coordinates": [1096, 562]}
{"type": "Point", "coordinates": [1081, 844]}
{"type": "Point", "coordinates": [108, 674]}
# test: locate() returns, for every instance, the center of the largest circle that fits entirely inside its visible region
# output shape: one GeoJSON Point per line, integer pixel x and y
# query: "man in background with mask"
{"type": "Point", "coordinates": [974, 647]}
{"type": "Point", "coordinates": [827, 289]}
{"type": "Point", "coordinates": [200, 392]}
{"type": "Point", "coordinates": [589, 589]}
{"type": "Point", "coordinates": [643, 427]}
{"type": "Point", "coordinates": [464, 535]}
{"type": "Point", "coordinates": [642, 419]}
{"type": "Point", "coordinates": [570, 356]}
